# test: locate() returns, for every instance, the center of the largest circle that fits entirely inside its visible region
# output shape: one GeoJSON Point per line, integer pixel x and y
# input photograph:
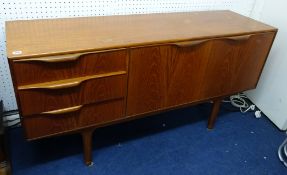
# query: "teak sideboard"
{"type": "Point", "coordinates": [77, 74]}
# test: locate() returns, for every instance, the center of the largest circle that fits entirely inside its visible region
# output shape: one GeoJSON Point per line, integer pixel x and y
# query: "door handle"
{"type": "Point", "coordinates": [190, 43]}
{"type": "Point", "coordinates": [198, 42]}
{"type": "Point", "coordinates": [239, 38]}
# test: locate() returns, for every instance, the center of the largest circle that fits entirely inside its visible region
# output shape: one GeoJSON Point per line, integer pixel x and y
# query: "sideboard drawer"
{"type": "Point", "coordinates": [53, 68]}
{"type": "Point", "coordinates": [64, 120]}
{"type": "Point", "coordinates": [38, 98]}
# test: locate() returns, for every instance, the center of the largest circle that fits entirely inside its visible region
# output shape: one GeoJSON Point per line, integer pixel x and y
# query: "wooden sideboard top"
{"type": "Point", "coordinates": [34, 38]}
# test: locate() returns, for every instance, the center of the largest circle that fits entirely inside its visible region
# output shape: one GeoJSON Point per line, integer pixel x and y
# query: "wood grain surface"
{"type": "Point", "coordinates": [147, 79]}
{"type": "Point", "coordinates": [179, 73]}
{"type": "Point", "coordinates": [34, 38]}
{"type": "Point", "coordinates": [216, 68]}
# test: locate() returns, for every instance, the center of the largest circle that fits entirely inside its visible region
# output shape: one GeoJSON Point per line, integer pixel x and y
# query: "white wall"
{"type": "Point", "coordinates": [271, 93]}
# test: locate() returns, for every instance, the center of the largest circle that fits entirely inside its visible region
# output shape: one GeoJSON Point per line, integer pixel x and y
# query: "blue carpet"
{"type": "Point", "coordinates": [172, 143]}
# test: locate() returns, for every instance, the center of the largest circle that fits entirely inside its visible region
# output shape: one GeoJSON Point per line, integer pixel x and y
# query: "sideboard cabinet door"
{"type": "Point", "coordinates": [147, 79]}
{"type": "Point", "coordinates": [215, 67]}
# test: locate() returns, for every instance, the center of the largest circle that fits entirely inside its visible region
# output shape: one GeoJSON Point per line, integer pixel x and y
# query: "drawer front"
{"type": "Point", "coordinates": [45, 69]}
{"type": "Point", "coordinates": [69, 119]}
{"type": "Point", "coordinates": [38, 98]}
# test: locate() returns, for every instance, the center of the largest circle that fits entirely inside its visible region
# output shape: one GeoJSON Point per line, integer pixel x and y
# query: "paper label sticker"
{"type": "Point", "coordinates": [17, 52]}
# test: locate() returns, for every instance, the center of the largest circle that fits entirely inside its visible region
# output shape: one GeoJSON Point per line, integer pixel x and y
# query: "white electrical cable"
{"type": "Point", "coordinates": [282, 154]}
{"type": "Point", "coordinates": [240, 102]}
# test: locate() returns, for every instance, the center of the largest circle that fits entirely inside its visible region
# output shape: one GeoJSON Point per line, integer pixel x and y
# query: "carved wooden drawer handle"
{"type": "Point", "coordinates": [54, 59]}
{"type": "Point", "coordinates": [198, 42]}
{"type": "Point", "coordinates": [56, 85]}
{"type": "Point", "coordinates": [64, 85]}
{"type": "Point", "coordinates": [61, 84]}
{"type": "Point", "coordinates": [64, 58]}
{"type": "Point", "coordinates": [63, 111]}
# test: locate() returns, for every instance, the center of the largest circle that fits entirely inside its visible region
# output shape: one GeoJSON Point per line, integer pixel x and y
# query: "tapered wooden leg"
{"type": "Point", "coordinates": [214, 113]}
{"type": "Point", "coordinates": [87, 145]}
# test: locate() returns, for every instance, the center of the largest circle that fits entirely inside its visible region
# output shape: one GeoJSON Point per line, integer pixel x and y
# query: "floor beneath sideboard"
{"type": "Point", "coordinates": [175, 142]}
